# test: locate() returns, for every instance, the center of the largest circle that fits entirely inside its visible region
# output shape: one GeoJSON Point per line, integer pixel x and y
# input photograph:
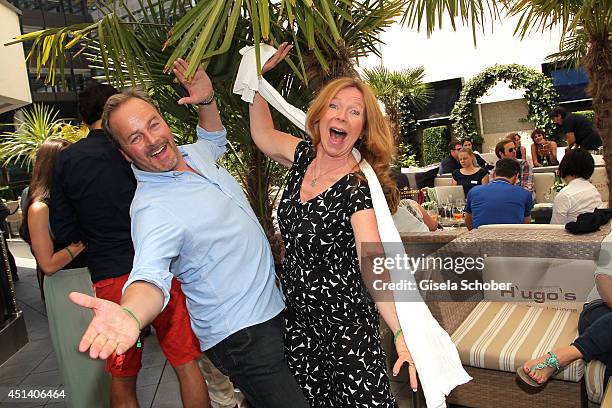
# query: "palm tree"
{"type": "Point", "coordinates": [393, 87]}
{"type": "Point", "coordinates": [39, 123]}
{"type": "Point", "coordinates": [586, 27]}
{"type": "Point", "coordinates": [137, 47]}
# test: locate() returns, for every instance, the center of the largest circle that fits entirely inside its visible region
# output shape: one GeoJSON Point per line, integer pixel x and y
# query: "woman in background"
{"type": "Point", "coordinates": [469, 176]}
{"type": "Point", "coordinates": [543, 152]}
{"type": "Point", "coordinates": [64, 270]}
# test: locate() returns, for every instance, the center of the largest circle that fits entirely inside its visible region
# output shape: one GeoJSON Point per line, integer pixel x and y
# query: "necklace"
{"type": "Point", "coordinates": [313, 182]}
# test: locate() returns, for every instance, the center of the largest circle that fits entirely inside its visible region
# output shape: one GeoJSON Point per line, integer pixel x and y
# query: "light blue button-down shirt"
{"type": "Point", "coordinates": [201, 229]}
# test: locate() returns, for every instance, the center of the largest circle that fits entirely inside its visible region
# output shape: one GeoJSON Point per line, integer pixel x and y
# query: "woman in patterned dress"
{"type": "Point", "coordinates": [332, 340]}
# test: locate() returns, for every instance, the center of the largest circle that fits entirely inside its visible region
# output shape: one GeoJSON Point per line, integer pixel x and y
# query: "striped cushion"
{"type": "Point", "coordinates": [502, 336]}
{"type": "Point", "coordinates": [594, 380]}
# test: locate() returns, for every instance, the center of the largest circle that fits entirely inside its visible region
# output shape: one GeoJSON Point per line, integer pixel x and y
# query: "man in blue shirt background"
{"type": "Point", "coordinates": [500, 201]}
{"type": "Point", "coordinates": [191, 220]}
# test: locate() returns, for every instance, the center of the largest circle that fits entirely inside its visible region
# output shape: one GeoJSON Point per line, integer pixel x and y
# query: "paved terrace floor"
{"type": "Point", "coordinates": [35, 365]}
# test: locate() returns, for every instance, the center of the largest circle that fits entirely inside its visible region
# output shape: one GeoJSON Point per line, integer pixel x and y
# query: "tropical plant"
{"type": "Point", "coordinates": [39, 123]}
{"type": "Point", "coordinates": [138, 47]}
{"type": "Point", "coordinates": [393, 87]}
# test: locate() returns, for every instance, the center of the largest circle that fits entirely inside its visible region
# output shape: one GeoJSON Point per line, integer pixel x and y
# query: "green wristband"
{"type": "Point", "coordinates": [69, 253]}
{"type": "Point", "coordinates": [396, 335]}
{"type": "Point", "coordinates": [138, 343]}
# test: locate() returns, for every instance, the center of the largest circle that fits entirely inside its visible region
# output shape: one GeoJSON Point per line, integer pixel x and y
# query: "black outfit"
{"type": "Point", "coordinates": [93, 187]}
{"type": "Point", "coordinates": [586, 135]}
{"type": "Point", "coordinates": [589, 222]}
{"type": "Point", "coordinates": [468, 182]}
{"type": "Point", "coordinates": [332, 340]}
{"type": "Point", "coordinates": [546, 160]}
{"type": "Point", "coordinates": [448, 165]}
{"type": "Point", "coordinates": [519, 153]}
{"type": "Point", "coordinates": [480, 161]}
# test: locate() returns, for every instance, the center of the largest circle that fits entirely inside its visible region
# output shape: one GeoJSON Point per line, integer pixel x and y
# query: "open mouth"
{"type": "Point", "coordinates": [159, 151]}
{"type": "Point", "coordinates": [337, 135]}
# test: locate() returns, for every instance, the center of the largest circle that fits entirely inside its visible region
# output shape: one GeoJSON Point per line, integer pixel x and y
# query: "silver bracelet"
{"type": "Point", "coordinates": [208, 100]}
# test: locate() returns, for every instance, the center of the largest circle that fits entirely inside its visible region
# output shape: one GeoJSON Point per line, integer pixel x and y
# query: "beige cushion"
{"type": "Point", "coordinates": [600, 180]}
{"type": "Point", "coordinates": [502, 336]}
{"type": "Point", "coordinates": [443, 181]}
{"type": "Point", "coordinates": [446, 193]}
{"type": "Point", "coordinates": [594, 378]}
{"type": "Point", "coordinates": [542, 182]}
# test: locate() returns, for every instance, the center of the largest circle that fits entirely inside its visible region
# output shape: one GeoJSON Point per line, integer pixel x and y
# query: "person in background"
{"type": "Point", "coordinates": [412, 217]}
{"type": "Point", "coordinates": [469, 176]}
{"type": "Point", "coordinates": [478, 160]}
{"type": "Point", "coordinates": [543, 152]}
{"type": "Point", "coordinates": [595, 337]}
{"type": "Point", "coordinates": [521, 152]}
{"type": "Point", "coordinates": [500, 201]}
{"type": "Point", "coordinates": [64, 267]}
{"type": "Point", "coordinates": [451, 163]}
{"type": "Point", "coordinates": [579, 196]}
{"type": "Point", "coordinates": [579, 131]}
{"type": "Point", "coordinates": [506, 149]}
{"type": "Point", "coordinates": [92, 190]}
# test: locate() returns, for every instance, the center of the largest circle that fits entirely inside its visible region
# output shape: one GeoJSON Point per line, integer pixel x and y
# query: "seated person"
{"type": "Point", "coordinates": [500, 201]}
{"type": "Point", "coordinates": [579, 196]}
{"type": "Point", "coordinates": [543, 152]}
{"type": "Point", "coordinates": [469, 175]}
{"type": "Point", "coordinates": [478, 160]}
{"type": "Point", "coordinates": [451, 163]}
{"type": "Point", "coordinates": [412, 217]}
{"type": "Point", "coordinates": [506, 148]}
{"type": "Point", "coordinates": [521, 152]}
{"type": "Point", "coordinates": [579, 131]}
{"type": "Point", "coordinates": [593, 343]}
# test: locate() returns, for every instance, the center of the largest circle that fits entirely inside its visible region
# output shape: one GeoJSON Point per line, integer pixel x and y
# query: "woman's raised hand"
{"type": "Point", "coordinates": [279, 55]}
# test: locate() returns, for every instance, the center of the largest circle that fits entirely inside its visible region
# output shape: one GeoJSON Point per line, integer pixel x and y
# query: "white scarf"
{"type": "Point", "coordinates": [434, 354]}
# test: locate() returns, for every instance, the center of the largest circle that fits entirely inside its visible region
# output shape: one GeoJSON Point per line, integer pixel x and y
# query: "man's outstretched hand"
{"type": "Point", "coordinates": [111, 330]}
{"type": "Point", "coordinates": [199, 86]}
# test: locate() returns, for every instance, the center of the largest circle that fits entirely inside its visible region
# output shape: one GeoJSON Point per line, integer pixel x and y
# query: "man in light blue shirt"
{"type": "Point", "coordinates": [191, 219]}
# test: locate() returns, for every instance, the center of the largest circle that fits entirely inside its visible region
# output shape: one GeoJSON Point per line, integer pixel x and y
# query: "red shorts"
{"type": "Point", "coordinates": [173, 328]}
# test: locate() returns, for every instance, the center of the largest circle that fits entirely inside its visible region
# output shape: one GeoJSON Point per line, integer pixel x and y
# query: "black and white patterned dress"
{"type": "Point", "coordinates": [332, 340]}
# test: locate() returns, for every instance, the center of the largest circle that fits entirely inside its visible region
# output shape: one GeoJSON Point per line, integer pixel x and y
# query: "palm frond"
{"type": "Point", "coordinates": [474, 13]}
{"type": "Point", "coordinates": [39, 123]}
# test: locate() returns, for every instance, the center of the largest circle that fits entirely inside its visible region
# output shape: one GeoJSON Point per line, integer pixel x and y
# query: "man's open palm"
{"type": "Point", "coordinates": [111, 330]}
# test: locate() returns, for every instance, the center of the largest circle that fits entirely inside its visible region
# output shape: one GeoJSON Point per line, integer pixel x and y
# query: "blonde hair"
{"type": "Point", "coordinates": [376, 145]}
{"type": "Point", "coordinates": [467, 150]}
